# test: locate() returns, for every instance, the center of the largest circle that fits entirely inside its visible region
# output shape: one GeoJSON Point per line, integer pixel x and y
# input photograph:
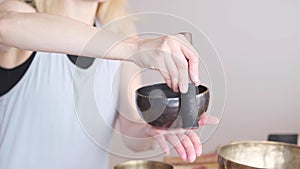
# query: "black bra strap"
{"type": "Point", "coordinates": [10, 77]}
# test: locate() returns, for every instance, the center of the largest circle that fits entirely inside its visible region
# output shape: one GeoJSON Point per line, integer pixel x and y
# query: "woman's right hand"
{"type": "Point", "coordinates": [186, 142]}
{"type": "Point", "coordinates": [173, 56]}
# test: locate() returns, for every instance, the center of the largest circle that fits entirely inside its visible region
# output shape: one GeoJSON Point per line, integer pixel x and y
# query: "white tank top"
{"type": "Point", "coordinates": [39, 125]}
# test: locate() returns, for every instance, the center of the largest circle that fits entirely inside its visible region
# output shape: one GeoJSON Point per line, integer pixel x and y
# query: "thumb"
{"type": "Point", "coordinates": [207, 119]}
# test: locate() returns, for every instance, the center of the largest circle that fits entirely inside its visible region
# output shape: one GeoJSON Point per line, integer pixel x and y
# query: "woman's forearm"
{"type": "Point", "coordinates": [51, 33]}
{"type": "Point", "coordinates": [136, 135]}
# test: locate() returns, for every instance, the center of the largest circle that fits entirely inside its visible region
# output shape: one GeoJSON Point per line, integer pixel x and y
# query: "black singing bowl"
{"type": "Point", "coordinates": [160, 106]}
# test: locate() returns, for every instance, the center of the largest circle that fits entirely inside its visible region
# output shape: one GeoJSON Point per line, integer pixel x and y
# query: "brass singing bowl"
{"type": "Point", "coordinates": [143, 164]}
{"type": "Point", "coordinates": [259, 155]}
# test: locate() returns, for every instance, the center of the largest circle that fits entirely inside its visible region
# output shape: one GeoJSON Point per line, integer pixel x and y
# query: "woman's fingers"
{"type": "Point", "coordinates": [178, 68]}
{"type": "Point", "coordinates": [167, 78]}
{"type": "Point", "coordinates": [196, 141]}
{"type": "Point", "coordinates": [176, 143]}
{"type": "Point", "coordinates": [193, 58]}
{"type": "Point", "coordinates": [188, 146]}
{"type": "Point", "coordinates": [193, 62]}
{"type": "Point", "coordinates": [163, 143]}
{"type": "Point", "coordinates": [182, 68]}
{"type": "Point", "coordinates": [185, 142]}
{"type": "Point", "coordinates": [160, 138]}
{"type": "Point", "coordinates": [173, 73]}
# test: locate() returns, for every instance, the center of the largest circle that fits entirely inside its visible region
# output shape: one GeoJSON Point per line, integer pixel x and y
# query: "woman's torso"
{"type": "Point", "coordinates": [44, 118]}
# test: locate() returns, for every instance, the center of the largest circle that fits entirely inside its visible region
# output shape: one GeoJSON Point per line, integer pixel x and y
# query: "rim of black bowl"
{"type": "Point", "coordinates": [202, 90]}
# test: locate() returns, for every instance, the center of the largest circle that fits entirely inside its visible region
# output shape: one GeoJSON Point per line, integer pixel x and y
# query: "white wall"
{"type": "Point", "coordinates": [258, 42]}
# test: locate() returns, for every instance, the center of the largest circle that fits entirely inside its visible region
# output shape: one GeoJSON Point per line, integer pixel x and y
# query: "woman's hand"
{"type": "Point", "coordinates": [186, 142]}
{"type": "Point", "coordinates": [173, 56]}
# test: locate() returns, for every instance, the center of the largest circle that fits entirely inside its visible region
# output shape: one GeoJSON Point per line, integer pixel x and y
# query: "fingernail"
{"type": "Point", "coordinates": [199, 151]}
{"type": "Point", "coordinates": [192, 158]}
{"type": "Point", "coordinates": [214, 120]}
{"type": "Point", "coordinates": [184, 88]}
{"type": "Point", "coordinates": [183, 157]}
{"type": "Point", "coordinates": [176, 90]}
{"type": "Point", "coordinates": [196, 80]}
{"type": "Point", "coordinates": [217, 121]}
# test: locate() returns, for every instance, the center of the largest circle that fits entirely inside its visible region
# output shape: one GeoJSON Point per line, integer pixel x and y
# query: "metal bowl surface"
{"type": "Point", "coordinates": [259, 155]}
{"type": "Point", "coordinates": [143, 164]}
{"type": "Point", "coordinates": [159, 105]}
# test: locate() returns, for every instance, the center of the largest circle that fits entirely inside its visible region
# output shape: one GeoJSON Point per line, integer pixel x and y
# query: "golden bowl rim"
{"type": "Point", "coordinates": [142, 162]}
{"type": "Point", "coordinates": [252, 141]}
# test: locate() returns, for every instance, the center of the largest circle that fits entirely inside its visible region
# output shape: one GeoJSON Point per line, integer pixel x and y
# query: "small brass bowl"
{"type": "Point", "coordinates": [159, 105]}
{"type": "Point", "coordinates": [143, 164]}
{"type": "Point", "coordinates": [259, 155]}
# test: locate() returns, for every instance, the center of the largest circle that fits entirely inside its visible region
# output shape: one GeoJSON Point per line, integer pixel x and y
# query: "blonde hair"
{"type": "Point", "coordinates": [107, 12]}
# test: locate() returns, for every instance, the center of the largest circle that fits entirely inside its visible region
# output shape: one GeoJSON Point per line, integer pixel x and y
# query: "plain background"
{"type": "Point", "coordinates": [258, 43]}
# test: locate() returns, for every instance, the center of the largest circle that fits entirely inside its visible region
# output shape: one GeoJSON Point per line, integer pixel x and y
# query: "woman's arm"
{"type": "Point", "coordinates": [51, 33]}
{"type": "Point", "coordinates": [172, 55]}
{"type": "Point", "coordinates": [20, 24]}
{"type": "Point", "coordinates": [12, 5]}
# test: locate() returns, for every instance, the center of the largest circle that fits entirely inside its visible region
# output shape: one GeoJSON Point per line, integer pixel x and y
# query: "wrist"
{"type": "Point", "coordinates": [130, 47]}
{"type": "Point", "coordinates": [148, 130]}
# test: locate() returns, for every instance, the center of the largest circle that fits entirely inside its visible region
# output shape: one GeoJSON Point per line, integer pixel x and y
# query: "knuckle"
{"type": "Point", "coordinates": [179, 148]}
{"type": "Point", "coordinates": [174, 85]}
{"type": "Point", "coordinates": [165, 40]}
{"type": "Point", "coordinates": [189, 147]}
{"type": "Point", "coordinates": [164, 46]}
{"type": "Point", "coordinates": [195, 59]}
{"type": "Point", "coordinates": [168, 40]}
{"type": "Point", "coordinates": [167, 78]}
{"type": "Point", "coordinates": [174, 74]}
{"type": "Point", "coordinates": [169, 37]}
{"type": "Point", "coordinates": [182, 64]}
{"type": "Point", "coordinates": [175, 80]}
{"type": "Point", "coordinates": [180, 35]}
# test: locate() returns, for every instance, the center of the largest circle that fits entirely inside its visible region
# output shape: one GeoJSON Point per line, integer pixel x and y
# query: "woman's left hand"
{"type": "Point", "coordinates": [185, 141]}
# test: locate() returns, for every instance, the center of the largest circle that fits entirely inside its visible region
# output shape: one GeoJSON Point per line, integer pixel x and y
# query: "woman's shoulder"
{"type": "Point", "coordinates": [7, 53]}
{"type": "Point", "coordinates": [16, 6]}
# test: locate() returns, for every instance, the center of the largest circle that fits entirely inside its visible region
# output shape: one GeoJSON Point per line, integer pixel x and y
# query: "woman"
{"type": "Point", "coordinates": [38, 124]}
